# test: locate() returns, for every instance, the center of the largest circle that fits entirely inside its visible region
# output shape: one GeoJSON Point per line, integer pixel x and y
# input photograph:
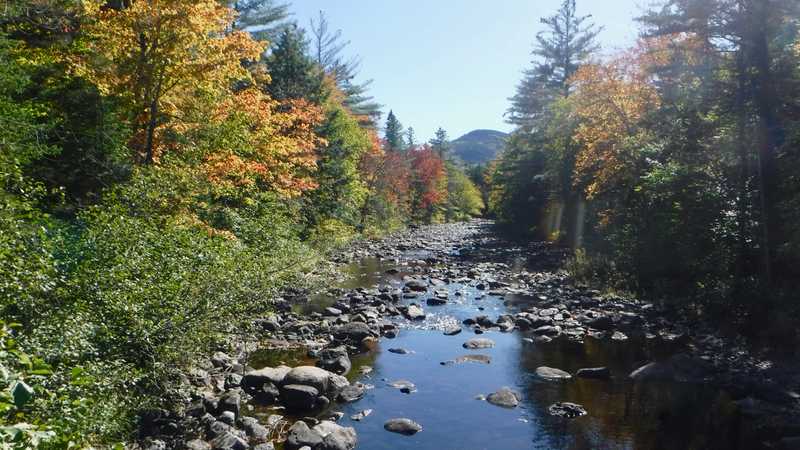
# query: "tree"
{"type": "Point", "coordinates": [327, 47]}
{"type": "Point", "coordinates": [292, 73]}
{"type": "Point", "coordinates": [393, 134]}
{"type": "Point", "coordinates": [441, 143]}
{"type": "Point", "coordinates": [568, 41]}
{"type": "Point", "coordinates": [263, 19]}
{"type": "Point", "coordinates": [411, 139]}
{"type": "Point", "coordinates": [429, 183]}
{"type": "Point", "coordinates": [158, 57]}
{"type": "Point", "coordinates": [463, 197]}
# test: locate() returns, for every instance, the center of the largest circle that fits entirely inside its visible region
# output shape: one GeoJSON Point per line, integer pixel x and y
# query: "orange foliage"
{"type": "Point", "coordinates": [282, 151]}
{"type": "Point", "coordinates": [385, 174]}
{"type": "Point", "coordinates": [429, 172]}
{"type": "Point", "coordinates": [610, 101]}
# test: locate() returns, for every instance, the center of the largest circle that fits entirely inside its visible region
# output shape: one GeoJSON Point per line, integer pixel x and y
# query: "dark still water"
{"type": "Point", "coordinates": [447, 402]}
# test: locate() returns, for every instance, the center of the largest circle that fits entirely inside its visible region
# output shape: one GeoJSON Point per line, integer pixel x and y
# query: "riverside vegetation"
{"type": "Point", "coordinates": [178, 177]}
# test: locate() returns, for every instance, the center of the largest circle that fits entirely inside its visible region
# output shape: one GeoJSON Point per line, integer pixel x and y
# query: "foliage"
{"type": "Point", "coordinates": [159, 58]}
{"type": "Point", "coordinates": [660, 165]}
{"type": "Point", "coordinates": [429, 186]}
{"type": "Point", "coordinates": [463, 197]}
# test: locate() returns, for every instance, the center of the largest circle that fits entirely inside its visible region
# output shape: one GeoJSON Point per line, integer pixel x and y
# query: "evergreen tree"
{"type": "Point", "coordinates": [441, 143]}
{"type": "Point", "coordinates": [327, 47]}
{"type": "Point", "coordinates": [264, 19]}
{"type": "Point", "coordinates": [568, 41]}
{"type": "Point", "coordinates": [292, 71]}
{"type": "Point", "coordinates": [393, 134]}
{"type": "Point", "coordinates": [411, 139]}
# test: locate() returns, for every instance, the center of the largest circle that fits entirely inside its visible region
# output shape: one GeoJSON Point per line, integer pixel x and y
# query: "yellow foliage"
{"type": "Point", "coordinates": [610, 101]}
{"type": "Point", "coordinates": [159, 55]}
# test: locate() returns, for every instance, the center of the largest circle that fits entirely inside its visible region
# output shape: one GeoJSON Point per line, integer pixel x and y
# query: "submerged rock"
{"type": "Point", "coordinates": [599, 373]}
{"type": "Point", "coordinates": [478, 343]}
{"type": "Point", "coordinates": [402, 426]}
{"type": "Point", "coordinates": [567, 410]}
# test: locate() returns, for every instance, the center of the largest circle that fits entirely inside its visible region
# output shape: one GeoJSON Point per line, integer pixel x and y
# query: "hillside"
{"type": "Point", "coordinates": [479, 146]}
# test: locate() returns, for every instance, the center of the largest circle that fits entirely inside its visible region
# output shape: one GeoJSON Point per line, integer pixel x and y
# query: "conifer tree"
{"type": "Point", "coordinates": [441, 143]}
{"type": "Point", "coordinates": [569, 39]}
{"type": "Point", "coordinates": [393, 134]}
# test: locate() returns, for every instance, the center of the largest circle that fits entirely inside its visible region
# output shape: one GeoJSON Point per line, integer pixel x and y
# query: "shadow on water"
{"type": "Point", "coordinates": [621, 414]}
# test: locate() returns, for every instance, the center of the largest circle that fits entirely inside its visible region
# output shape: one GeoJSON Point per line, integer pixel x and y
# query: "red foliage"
{"type": "Point", "coordinates": [429, 177]}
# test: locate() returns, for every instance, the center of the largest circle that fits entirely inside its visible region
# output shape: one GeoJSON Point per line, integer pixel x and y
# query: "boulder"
{"type": "Point", "coordinates": [402, 426]}
{"type": "Point", "coordinates": [504, 397]}
{"type": "Point", "coordinates": [550, 373]}
{"type": "Point", "coordinates": [352, 393]}
{"type": "Point", "coordinates": [309, 376]}
{"type": "Point", "coordinates": [336, 437]}
{"type": "Point", "coordinates": [335, 360]}
{"type": "Point", "coordinates": [478, 343]}
{"type": "Point", "coordinates": [298, 397]}
{"type": "Point", "coordinates": [353, 332]}
{"type": "Point", "coordinates": [452, 331]}
{"type": "Point", "coordinates": [229, 441]}
{"type": "Point", "coordinates": [253, 382]}
{"type": "Point", "coordinates": [567, 410]}
{"type": "Point", "coordinates": [417, 285]}
{"type": "Point", "coordinates": [300, 435]}
{"type": "Point", "coordinates": [414, 312]}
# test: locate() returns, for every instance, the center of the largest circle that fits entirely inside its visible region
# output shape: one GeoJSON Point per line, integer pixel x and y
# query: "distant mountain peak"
{"type": "Point", "coordinates": [479, 146]}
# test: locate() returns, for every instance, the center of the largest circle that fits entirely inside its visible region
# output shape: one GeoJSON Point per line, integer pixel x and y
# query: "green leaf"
{"type": "Point", "coordinates": [22, 393]}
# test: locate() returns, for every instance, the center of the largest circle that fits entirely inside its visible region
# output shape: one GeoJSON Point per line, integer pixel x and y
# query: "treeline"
{"type": "Point", "coordinates": [165, 167]}
{"type": "Point", "coordinates": [672, 166]}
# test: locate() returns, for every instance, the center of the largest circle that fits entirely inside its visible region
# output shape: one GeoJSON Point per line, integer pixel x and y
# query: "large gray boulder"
{"type": "Point", "coordinates": [336, 437]}
{"type": "Point", "coordinates": [309, 376]}
{"type": "Point", "coordinates": [402, 426]}
{"type": "Point", "coordinates": [254, 381]}
{"type": "Point", "coordinates": [300, 435]}
{"type": "Point", "coordinates": [298, 397]}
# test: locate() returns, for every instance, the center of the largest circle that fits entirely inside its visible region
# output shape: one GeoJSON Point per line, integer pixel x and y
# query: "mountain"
{"type": "Point", "coordinates": [479, 146]}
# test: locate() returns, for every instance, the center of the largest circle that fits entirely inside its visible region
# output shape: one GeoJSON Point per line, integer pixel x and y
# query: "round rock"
{"type": "Point", "coordinates": [402, 426]}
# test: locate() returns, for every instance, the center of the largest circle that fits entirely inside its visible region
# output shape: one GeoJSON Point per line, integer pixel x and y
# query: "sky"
{"type": "Point", "coordinates": [453, 63]}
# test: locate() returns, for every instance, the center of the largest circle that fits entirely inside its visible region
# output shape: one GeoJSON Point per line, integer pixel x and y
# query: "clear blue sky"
{"type": "Point", "coordinates": [453, 63]}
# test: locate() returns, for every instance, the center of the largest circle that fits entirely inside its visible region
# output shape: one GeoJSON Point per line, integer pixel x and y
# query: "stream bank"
{"type": "Point", "coordinates": [479, 343]}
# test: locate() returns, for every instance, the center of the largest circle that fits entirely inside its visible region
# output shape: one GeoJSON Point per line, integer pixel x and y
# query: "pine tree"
{"type": "Point", "coordinates": [393, 133]}
{"type": "Point", "coordinates": [264, 19]}
{"type": "Point", "coordinates": [327, 47]}
{"type": "Point", "coordinates": [568, 41]}
{"type": "Point", "coordinates": [411, 138]}
{"type": "Point", "coordinates": [441, 143]}
{"type": "Point", "coordinates": [292, 71]}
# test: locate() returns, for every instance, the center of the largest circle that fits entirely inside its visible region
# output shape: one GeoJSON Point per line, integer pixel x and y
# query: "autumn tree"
{"type": "Point", "coordinates": [158, 57]}
{"type": "Point", "coordinates": [429, 183]}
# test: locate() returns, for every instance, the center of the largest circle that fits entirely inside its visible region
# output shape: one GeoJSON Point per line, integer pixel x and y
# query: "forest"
{"type": "Point", "coordinates": [169, 167]}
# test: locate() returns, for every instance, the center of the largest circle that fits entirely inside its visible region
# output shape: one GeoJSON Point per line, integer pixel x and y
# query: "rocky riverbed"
{"type": "Point", "coordinates": [447, 336]}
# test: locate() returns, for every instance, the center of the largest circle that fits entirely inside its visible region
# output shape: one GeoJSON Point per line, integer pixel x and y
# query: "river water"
{"type": "Point", "coordinates": [621, 414]}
